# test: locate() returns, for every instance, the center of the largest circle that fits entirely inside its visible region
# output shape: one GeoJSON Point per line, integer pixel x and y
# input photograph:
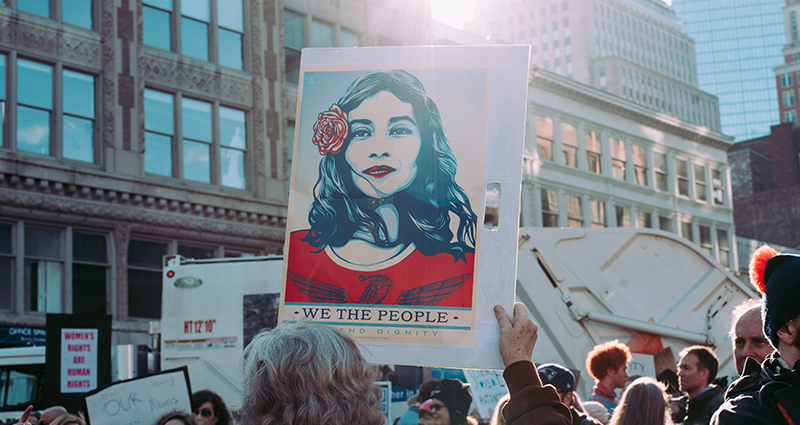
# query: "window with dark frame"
{"type": "Point", "coordinates": [705, 240]}
{"type": "Point", "coordinates": [89, 273]}
{"type": "Point", "coordinates": [644, 220]}
{"type": "Point", "coordinates": [6, 266]}
{"type": "Point", "coordinates": [549, 208]}
{"type": "Point", "coordinates": [598, 209]}
{"type": "Point", "coordinates": [724, 247]}
{"type": "Point", "coordinates": [718, 190]}
{"type": "Point", "coordinates": [73, 12]}
{"type": "Point", "coordinates": [623, 216]}
{"type": "Point", "coordinates": [44, 268]}
{"type": "Point", "coordinates": [212, 37]}
{"type": "Point", "coordinates": [321, 34]}
{"type": "Point", "coordinates": [145, 278]}
{"type": "Point", "coordinates": [208, 153]}
{"type": "Point", "coordinates": [71, 135]}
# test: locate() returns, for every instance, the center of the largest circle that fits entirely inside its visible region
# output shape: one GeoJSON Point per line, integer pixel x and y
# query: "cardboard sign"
{"type": "Point", "coordinates": [488, 387]}
{"type": "Point", "coordinates": [139, 401]}
{"type": "Point", "coordinates": [642, 365]}
{"type": "Point", "coordinates": [386, 398]}
{"type": "Point", "coordinates": [78, 360]}
{"type": "Point", "coordinates": [394, 149]}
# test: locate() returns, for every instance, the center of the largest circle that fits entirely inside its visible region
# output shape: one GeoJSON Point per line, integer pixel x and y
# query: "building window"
{"type": "Point", "coordinates": [549, 208]}
{"type": "Point", "coordinates": [682, 169]}
{"type": "Point", "coordinates": [724, 248]}
{"type": "Point", "coordinates": [592, 151]}
{"type": "Point", "coordinates": [660, 168]}
{"type": "Point", "coordinates": [44, 264]}
{"type": "Point", "coordinates": [44, 261]}
{"type": "Point", "coordinates": [569, 144]}
{"type": "Point", "coordinates": [718, 189]}
{"type": "Point", "coordinates": [73, 12]}
{"type": "Point", "coordinates": [640, 164]}
{"type": "Point", "coordinates": [788, 98]}
{"type": "Point", "coordinates": [618, 158]}
{"type": "Point", "coordinates": [6, 266]}
{"type": "Point", "coordinates": [321, 34]}
{"type": "Point", "coordinates": [206, 154]}
{"type": "Point", "coordinates": [665, 223]}
{"type": "Point", "coordinates": [574, 211]}
{"type": "Point", "coordinates": [705, 240]}
{"type": "Point", "coordinates": [700, 182]}
{"type": "Point", "coordinates": [544, 137]}
{"type": "Point", "coordinates": [144, 278]}
{"type": "Point", "coordinates": [686, 230]}
{"type": "Point", "coordinates": [602, 78]}
{"type": "Point", "coordinates": [644, 220]}
{"type": "Point", "coordinates": [623, 216]}
{"type": "Point", "coordinates": [790, 116]}
{"type": "Point", "coordinates": [89, 273]}
{"type": "Point", "coordinates": [598, 209]}
{"type": "Point", "coordinates": [786, 79]}
{"type": "Point", "coordinates": [216, 37]}
{"type": "Point", "coordinates": [71, 134]}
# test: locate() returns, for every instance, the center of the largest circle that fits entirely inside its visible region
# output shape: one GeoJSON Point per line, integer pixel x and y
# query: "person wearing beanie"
{"type": "Point", "coordinates": [769, 393]}
{"type": "Point", "coordinates": [564, 382]}
{"type": "Point", "coordinates": [450, 402]}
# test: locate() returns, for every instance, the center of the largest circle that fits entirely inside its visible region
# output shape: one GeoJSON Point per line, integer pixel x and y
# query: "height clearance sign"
{"type": "Point", "coordinates": [78, 360]}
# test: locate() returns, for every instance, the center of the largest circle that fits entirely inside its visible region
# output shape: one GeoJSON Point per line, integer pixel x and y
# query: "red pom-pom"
{"type": "Point", "coordinates": [757, 265]}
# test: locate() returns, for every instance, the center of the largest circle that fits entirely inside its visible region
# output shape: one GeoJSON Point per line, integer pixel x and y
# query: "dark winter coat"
{"type": "Point", "coordinates": [702, 407]}
{"type": "Point", "coordinates": [766, 394]}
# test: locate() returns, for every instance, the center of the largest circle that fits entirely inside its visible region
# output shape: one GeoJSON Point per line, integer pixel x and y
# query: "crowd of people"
{"type": "Point", "coordinates": [306, 373]}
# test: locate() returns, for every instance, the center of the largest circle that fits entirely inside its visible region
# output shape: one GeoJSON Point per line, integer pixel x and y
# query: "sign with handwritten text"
{"type": "Point", "coordinates": [140, 401]}
{"type": "Point", "coordinates": [78, 360]}
{"type": "Point", "coordinates": [488, 387]}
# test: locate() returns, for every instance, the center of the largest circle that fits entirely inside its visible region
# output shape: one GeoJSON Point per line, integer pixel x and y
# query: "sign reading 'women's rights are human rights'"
{"type": "Point", "coordinates": [385, 235]}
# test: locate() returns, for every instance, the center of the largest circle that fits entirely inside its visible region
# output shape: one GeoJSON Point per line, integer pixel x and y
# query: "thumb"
{"type": "Point", "coordinates": [502, 317]}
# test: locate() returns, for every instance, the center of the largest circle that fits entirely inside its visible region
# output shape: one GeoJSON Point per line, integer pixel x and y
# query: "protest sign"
{"type": "Point", "coordinates": [78, 360]}
{"type": "Point", "coordinates": [386, 398]}
{"type": "Point", "coordinates": [642, 365]}
{"type": "Point", "coordinates": [78, 357]}
{"type": "Point", "coordinates": [139, 401]}
{"type": "Point", "coordinates": [393, 150]}
{"type": "Point", "coordinates": [488, 387]}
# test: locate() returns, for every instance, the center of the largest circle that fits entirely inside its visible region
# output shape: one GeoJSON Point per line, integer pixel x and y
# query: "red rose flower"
{"type": "Point", "coordinates": [330, 130]}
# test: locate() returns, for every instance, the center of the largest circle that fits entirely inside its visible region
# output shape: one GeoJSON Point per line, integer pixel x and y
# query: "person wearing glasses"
{"type": "Point", "coordinates": [450, 402]}
{"type": "Point", "coordinates": [210, 409]}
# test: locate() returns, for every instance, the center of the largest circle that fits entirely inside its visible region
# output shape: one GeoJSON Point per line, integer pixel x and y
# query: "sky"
{"type": "Point", "coordinates": [456, 12]}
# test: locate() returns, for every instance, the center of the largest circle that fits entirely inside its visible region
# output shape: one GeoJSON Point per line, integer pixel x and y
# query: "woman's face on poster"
{"type": "Point", "coordinates": [386, 141]}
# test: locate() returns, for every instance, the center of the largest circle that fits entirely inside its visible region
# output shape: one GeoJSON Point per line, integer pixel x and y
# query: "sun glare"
{"type": "Point", "coordinates": [452, 12]}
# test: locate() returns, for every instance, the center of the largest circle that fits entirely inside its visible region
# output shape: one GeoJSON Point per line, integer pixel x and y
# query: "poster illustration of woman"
{"type": "Point", "coordinates": [377, 181]}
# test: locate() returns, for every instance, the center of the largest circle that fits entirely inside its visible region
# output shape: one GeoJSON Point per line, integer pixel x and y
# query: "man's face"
{"type": "Point", "coordinates": [619, 376]}
{"type": "Point", "coordinates": [749, 340]}
{"type": "Point", "coordinates": [690, 378]}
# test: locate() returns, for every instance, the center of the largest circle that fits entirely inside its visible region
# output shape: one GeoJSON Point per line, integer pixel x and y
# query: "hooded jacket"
{"type": "Point", "coordinates": [766, 394]}
{"type": "Point", "coordinates": [702, 407]}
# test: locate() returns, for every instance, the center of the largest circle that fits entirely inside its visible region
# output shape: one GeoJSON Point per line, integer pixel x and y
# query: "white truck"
{"type": "Point", "coordinates": [583, 286]}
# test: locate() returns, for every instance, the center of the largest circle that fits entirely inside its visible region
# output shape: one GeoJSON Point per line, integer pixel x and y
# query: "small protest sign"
{"type": "Point", "coordinates": [139, 401]}
{"type": "Point", "coordinates": [488, 387]}
{"type": "Point", "coordinates": [78, 360]}
{"type": "Point", "coordinates": [642, 365]}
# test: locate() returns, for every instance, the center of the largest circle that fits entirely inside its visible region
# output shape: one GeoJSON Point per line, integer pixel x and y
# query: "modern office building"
{"type": "Point", "coordinates": [786, 73]}
{"type": "Point", "coordinates": [738, 43]}
{"type": "Point", "coordinates": [596, 160]}
{"type": "Point", "coordinates": [635, 49]}
{"type": "Point", "coordinates": [134, 129]}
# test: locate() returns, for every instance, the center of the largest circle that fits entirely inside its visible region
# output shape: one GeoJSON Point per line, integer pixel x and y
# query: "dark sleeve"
{"type": "Point", "coordinates": [531, 403]}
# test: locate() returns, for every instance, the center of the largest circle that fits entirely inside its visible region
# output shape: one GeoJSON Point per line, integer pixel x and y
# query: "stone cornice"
{"type": "Point", "coordinates": [119, 206]}
{"type": "Point", "coordinates": [606, 101]}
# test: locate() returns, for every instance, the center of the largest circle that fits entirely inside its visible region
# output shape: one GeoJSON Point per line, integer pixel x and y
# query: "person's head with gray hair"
{"type": "Point", "coordinates": [747, 334]}
{"type": "Point", "coordinates": [307, 373]}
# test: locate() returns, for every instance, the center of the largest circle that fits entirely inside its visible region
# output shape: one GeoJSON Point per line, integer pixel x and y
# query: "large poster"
{"type": "Point", "coordinates": [386, 209]}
